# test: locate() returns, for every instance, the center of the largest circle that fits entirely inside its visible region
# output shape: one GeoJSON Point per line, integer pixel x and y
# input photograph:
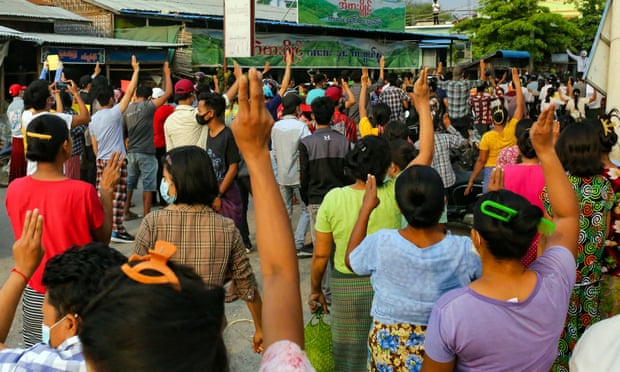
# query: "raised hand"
{"type": "Point", "coordinates": [112, 171]}
{"type": "Point", "coordinates": [364, 75]}
{"type": "Point", "coordinates": [252, 126]}
{"type": "Point", "coordinates": [27, 251]}
{"type": "Point", "coordinates": [134, 63]}
{"type": "Point", "coordinates": [420, 88]}
{"type": "Point", "coordinates": [370, 201]}
{"type": "Point", "coordinates": [542, 131]}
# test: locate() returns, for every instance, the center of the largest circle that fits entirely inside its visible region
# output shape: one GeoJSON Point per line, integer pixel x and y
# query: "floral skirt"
{"type": "Point", "coordinates": [395, 347]}
{"type": "Point", "coordinates": [583, 311]}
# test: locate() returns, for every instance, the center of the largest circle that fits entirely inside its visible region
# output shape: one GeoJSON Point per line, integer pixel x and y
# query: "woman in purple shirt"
{"type": "Point", "coordinates": [512, 317]}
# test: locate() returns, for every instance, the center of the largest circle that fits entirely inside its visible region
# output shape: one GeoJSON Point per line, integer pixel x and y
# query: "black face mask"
{"type": "Point", "coordinates": [201, 119]}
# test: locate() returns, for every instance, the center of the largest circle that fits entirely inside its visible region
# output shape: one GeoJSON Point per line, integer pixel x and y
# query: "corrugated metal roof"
{"type": "Point", "coordinates": [60, 39]}
{"type": "Point", "coordinates": [197, 7]}
{"type": "Point", "coordinates": [9, 33]}
{"type": "Point", "coordinates": [25, 9]}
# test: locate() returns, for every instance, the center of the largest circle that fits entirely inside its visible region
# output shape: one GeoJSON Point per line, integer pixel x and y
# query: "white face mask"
{"type": "Point", "coordinates": [46, 331]}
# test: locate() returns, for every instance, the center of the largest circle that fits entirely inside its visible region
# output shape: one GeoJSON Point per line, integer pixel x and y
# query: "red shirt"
{"type": "Point", "coordinates": [71, 211]}
{"type": "Point", "coordinates": [159, 118]}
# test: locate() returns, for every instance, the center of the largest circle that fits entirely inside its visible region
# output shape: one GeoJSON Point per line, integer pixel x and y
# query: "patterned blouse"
{"type": "Point", "coordinates": [595, 197]}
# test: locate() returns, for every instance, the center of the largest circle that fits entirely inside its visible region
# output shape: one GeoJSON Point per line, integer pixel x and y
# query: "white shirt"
{"type": "Point", "coordinates": [181, 129]}
{"type": "Point", "coordinates": [599, 348]}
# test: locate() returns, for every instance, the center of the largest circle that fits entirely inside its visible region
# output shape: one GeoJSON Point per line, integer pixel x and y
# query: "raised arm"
{"type": "Point", "coordinates": [363, 93]}
{"type": "Point", "coordinates": [350, 96]}
{"type": "Point", "coordinates": [83, 116]}
{"type": "Point", "coordinates": [168, 91]}
{"type": "Point", "coordinates": [571, 55]}
{"type": "Point", "coordinates": [27, 253]}
{"type": "Point", "coordinates": [124, 103]}
{"type": "Point", "coordinates": [561, 194]}
{"type": "Point", "coordinates": [282, 315]}
{"type": "Point", "coordinates": [520, 100]}
{"type": "Point", "coordinates": [422, 106]}
{"type": "Point", "coordinates": [286, 79]}
{"type": "Point", "coordinates": [369, 203]}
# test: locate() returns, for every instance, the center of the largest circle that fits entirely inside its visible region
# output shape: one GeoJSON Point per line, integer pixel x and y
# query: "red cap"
{"type": "Point", "coordinates": [15, 89]}
{"type": "Point", "coordinates": [334, 93]}
{"type": "Point", "coordinates": [183, 86]}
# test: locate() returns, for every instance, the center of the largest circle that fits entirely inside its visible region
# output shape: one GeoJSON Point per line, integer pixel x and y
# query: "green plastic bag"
{"type": "Point", "coordinates": [318, 341]}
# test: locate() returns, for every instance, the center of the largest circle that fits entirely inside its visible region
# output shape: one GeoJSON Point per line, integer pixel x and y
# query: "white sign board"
{"type": "Point", "coordinates": [597, 69]}
{"type": "Point", "coordinates": [238, 28]}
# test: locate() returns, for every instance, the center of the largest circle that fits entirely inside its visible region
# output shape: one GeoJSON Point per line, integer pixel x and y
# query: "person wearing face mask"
{"type": "Point", "coordinates": [207, 241]}
{"type": "Point", "coordinates": [74, 215]}
{"type": "Point", "coordinates": [72, 279]}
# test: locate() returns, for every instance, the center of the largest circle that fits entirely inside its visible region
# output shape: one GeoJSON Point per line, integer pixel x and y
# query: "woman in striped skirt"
{"type": "Point", "coordinates": [352, 294]}
{"type": "Point", "coordinates": [72, 212]}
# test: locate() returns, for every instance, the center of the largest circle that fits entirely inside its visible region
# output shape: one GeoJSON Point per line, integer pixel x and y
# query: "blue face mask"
{"type": "Point", "coordinates": [164, 187]}
{"type": "Point", "coordinates": [46, 331]}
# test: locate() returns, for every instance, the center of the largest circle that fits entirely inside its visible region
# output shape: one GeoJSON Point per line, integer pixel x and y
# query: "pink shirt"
{"type": "Point", "coordinates": [525, 180]}
{"type": "Point", "coordinates": [285, 356]}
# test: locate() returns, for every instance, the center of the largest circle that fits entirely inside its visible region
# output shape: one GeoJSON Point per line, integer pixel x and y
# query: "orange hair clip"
{"type": "Point", "coordinates": [156, 260]}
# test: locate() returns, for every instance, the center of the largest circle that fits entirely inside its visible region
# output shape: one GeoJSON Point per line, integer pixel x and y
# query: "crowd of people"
{"type": "Point", "coordinates": [368, 163]}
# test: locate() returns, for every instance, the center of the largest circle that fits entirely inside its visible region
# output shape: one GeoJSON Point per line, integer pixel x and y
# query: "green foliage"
{"type": "Point", "coordinates": [591, 13]}
{"type": "Point", "coordinates": [518, 25]}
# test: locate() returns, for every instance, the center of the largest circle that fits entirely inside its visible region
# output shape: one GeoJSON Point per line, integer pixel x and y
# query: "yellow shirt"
{"type": "Point", "coordinates": [366, 128]}
{"type": "Point", "coordinates": [494, 142]}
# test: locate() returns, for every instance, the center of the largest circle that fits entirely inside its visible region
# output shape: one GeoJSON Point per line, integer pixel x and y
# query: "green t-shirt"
{"type": "Point", "coordinates": [340, 209]}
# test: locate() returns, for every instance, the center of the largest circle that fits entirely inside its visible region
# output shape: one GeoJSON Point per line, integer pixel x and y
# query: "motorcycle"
{"type": "Point", "coordinates": [460, 206]}
{"type": "Point", "coordinates": [5, 166]}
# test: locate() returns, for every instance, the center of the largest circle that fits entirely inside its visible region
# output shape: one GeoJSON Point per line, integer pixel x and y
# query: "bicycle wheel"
{"type": "Point", "coordinates": [5, 165]}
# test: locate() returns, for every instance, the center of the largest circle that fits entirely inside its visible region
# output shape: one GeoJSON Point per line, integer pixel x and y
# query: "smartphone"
{"type": "Point", "coordinates": [409, 89]}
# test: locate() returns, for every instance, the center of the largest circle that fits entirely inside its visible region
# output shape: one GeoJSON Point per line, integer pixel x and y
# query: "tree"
{"type": "Point", "coordinates": [518, 25]}
{"type": "Point", "coordinates": [591, 13]}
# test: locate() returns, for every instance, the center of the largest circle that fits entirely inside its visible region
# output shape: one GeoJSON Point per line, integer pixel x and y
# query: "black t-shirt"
{"type": "Point", "coordinates": [223, 152]}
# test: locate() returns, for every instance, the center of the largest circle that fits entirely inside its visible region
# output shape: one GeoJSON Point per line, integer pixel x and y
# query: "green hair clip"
{"type": "Point", "coordinates": [503, 213]}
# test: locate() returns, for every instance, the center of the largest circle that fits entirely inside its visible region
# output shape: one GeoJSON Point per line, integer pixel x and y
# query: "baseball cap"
{"type": "Point", "coordinates": [157, 92]}
{"type": "Point", "coordinates": [291, 100]}
{"type": "Point", "coordinates": [84, 81]}
{"type": "Point", "coordinates": [334, 93]}
{"type": "Point", "coordinates": [183, 86]}
{"type": "Point", "coordinates": [14, 89]}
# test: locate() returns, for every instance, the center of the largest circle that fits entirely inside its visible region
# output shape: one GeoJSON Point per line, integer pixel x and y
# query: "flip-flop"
{"type": "Point", "coordinates": [131, 216]}
{"type": "Point", "coordinates": [231, 298]}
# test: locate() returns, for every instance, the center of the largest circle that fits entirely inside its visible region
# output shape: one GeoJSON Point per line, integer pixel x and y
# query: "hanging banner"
{"type": "Point", "coordinates": [307, 51]}
{"type": "Point", "coordinates": [363, 14]}
{"type": "Point", "coordinates": [75, 55]}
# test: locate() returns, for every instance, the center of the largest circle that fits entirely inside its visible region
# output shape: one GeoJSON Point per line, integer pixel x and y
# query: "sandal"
{"type": "Point", "coordinates": [230, 297]}
{"type": "Point", "coordinates": [131, 216]}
